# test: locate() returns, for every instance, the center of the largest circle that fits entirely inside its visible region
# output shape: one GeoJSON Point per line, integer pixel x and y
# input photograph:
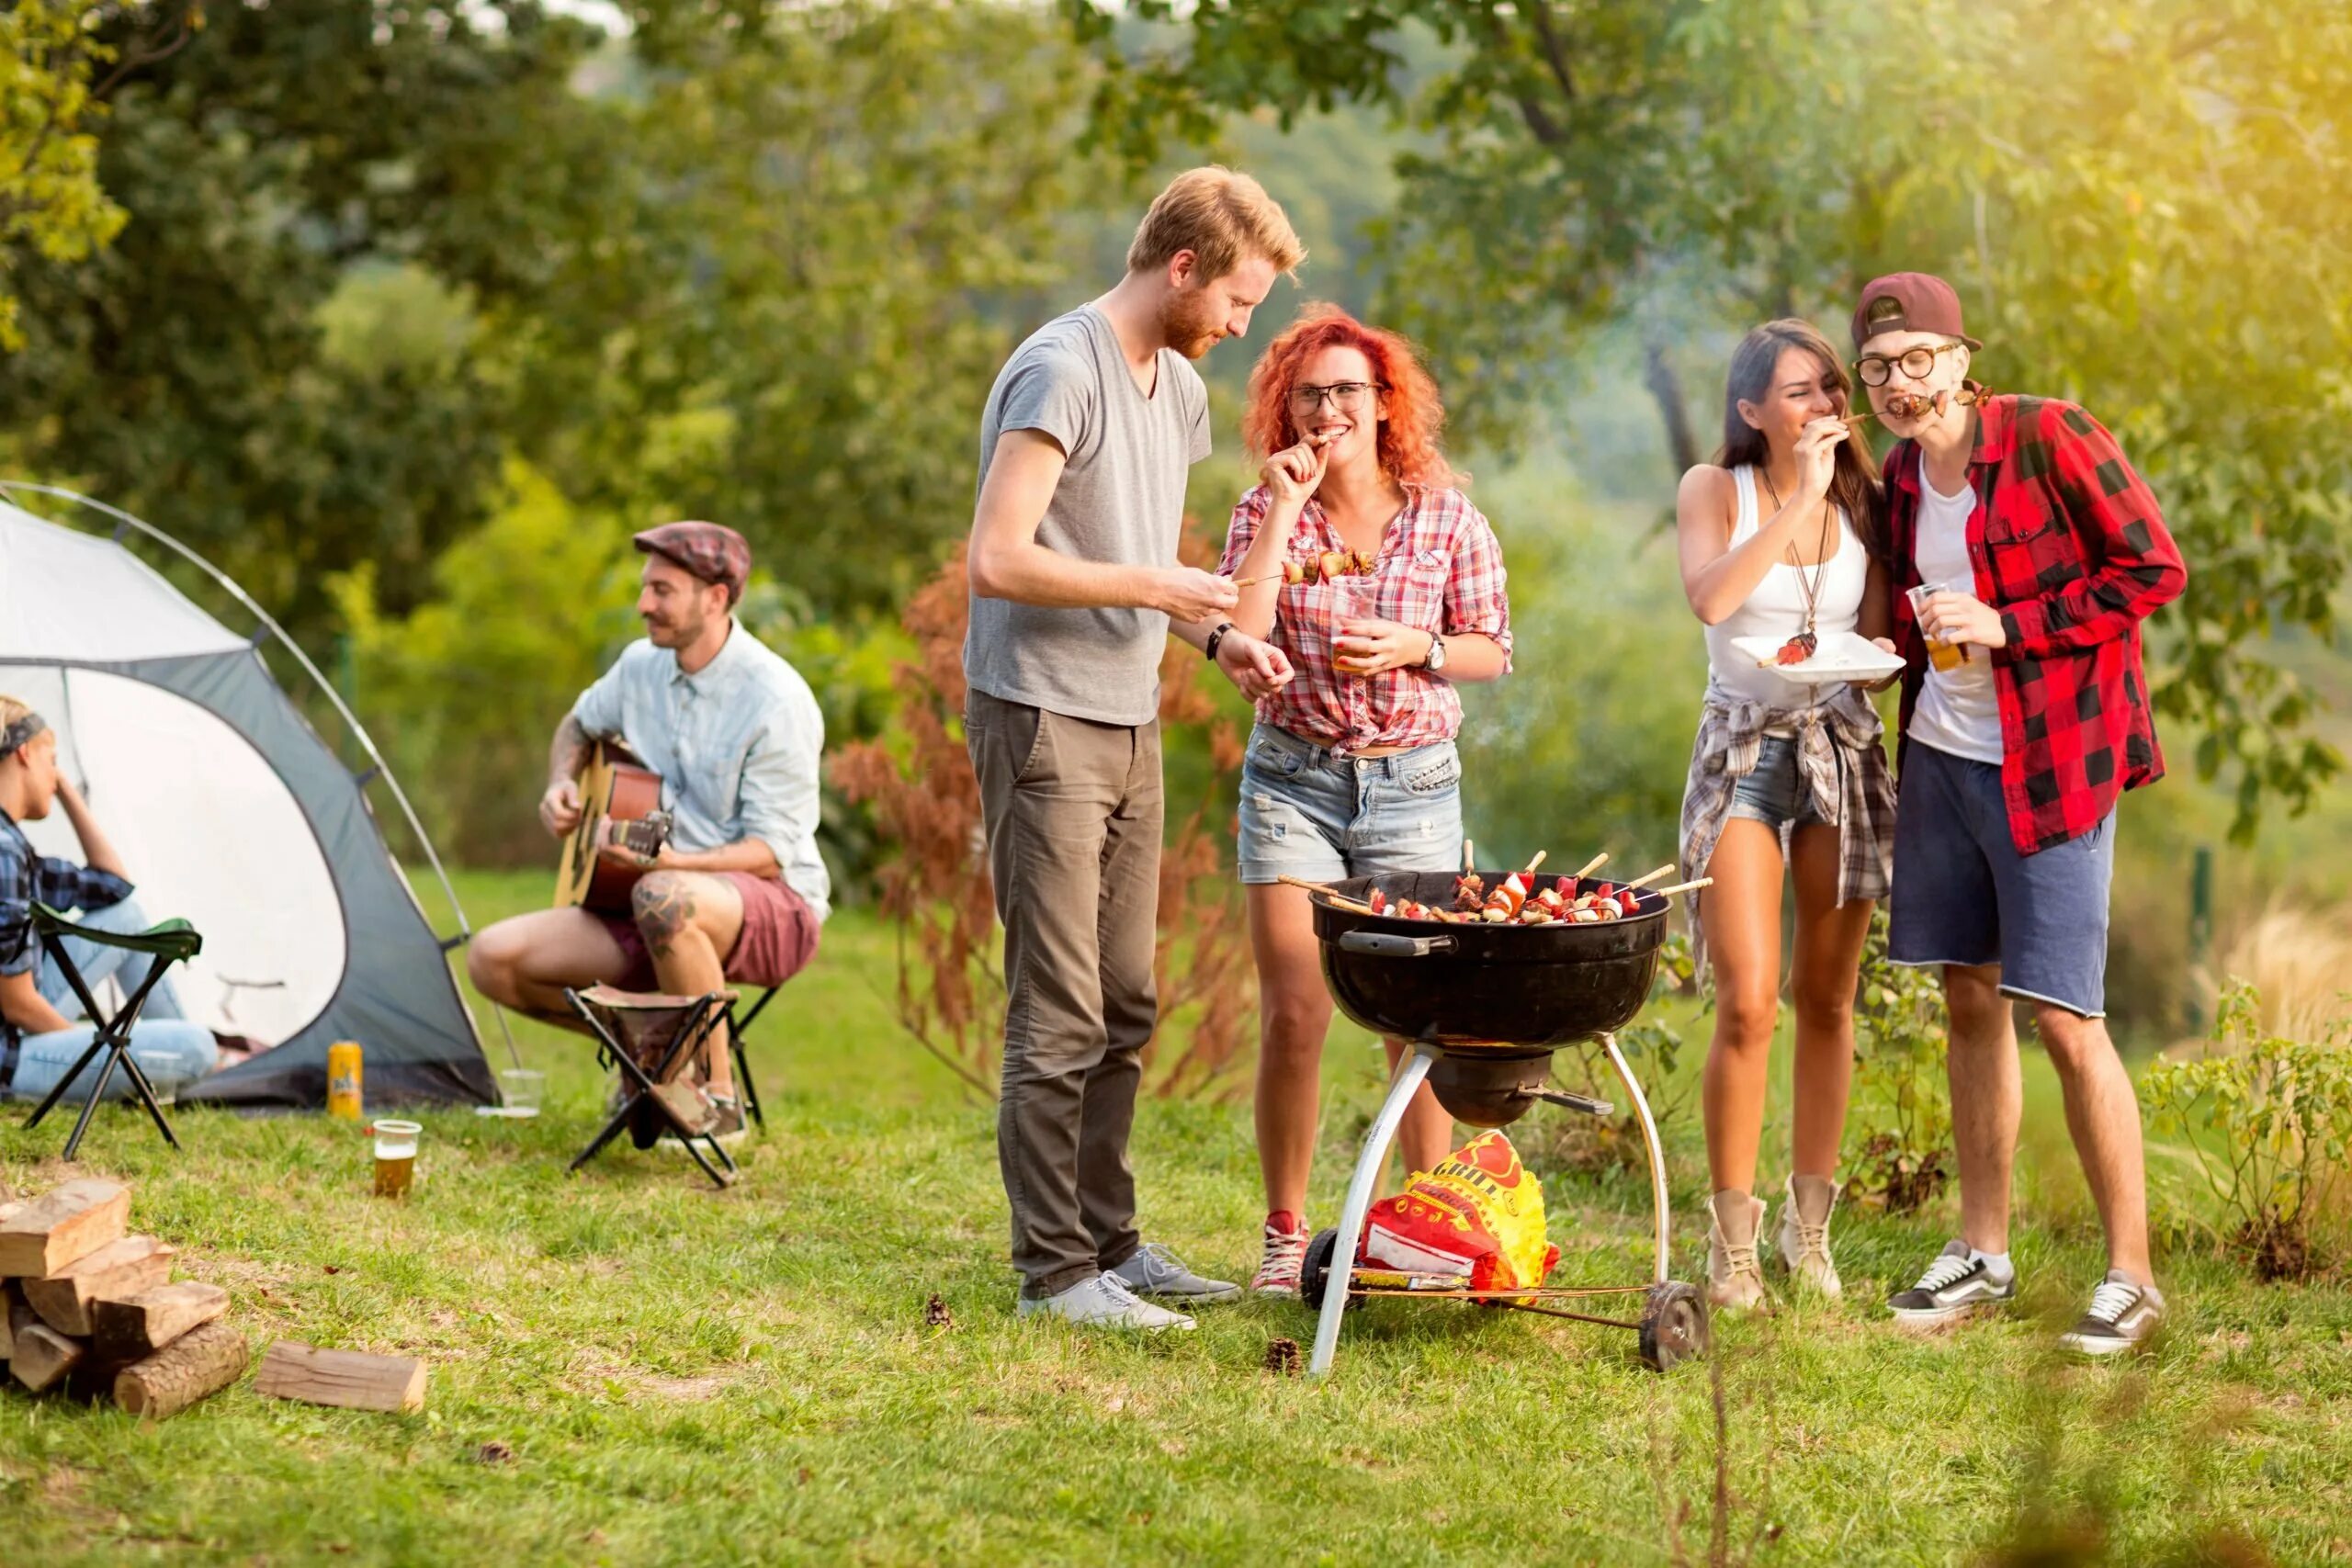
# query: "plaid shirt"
{"type": "Point", "coordinates": [26, 878]}
{"type": "Point", "coordinates": [1440, 570]}
{"type": "Point", "coordinates": [2069, 545]}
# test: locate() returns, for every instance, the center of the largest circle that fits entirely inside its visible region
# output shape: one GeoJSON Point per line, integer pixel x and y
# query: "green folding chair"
{"type": "Point", "coordinates": [174, 942]}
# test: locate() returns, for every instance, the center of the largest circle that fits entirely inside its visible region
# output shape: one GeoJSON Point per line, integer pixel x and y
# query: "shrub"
{"type": "Point", "coordinates": [2263, 1122]}
{"type": "Point", "coordinates": [1900, 1101]}
{"type": "Point", "coordinates": [932, 875]}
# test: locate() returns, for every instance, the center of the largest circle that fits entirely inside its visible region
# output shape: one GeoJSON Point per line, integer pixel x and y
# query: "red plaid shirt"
{"type": "Point", "coordinates": [2069, 545]}
{"type": "Point", "coordinates": [1440, 571]}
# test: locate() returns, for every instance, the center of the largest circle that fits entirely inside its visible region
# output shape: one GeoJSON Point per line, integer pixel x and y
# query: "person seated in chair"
{"type": "Point", "coordinates": [40, 1042]}
{"type": "Point", "coordinates": [739, 891]}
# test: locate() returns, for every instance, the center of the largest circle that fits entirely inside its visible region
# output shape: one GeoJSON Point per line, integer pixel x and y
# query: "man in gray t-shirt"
{"type": "Point", "coordinates": [1084, 446]}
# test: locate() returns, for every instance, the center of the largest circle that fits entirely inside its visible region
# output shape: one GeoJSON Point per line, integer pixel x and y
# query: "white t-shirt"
{"type": "Point", "coordinates": [1958, 712]}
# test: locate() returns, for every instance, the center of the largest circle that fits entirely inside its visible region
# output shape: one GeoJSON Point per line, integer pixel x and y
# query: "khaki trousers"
{"type": "Point", "coordinates": [1073, 815]}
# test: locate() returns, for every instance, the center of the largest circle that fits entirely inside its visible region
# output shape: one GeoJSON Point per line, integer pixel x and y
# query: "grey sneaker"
{"type": "Point", "coordinates": [1804, 1233]}
{"type": "Point", "coordinates": [1734, 1282]}
{"type": "Point", "coordinates": [2122, 1313]}
{"type": "Point", "coordinates": [1105, 1301]}
{"type": "Point", "coordinates": [1956, 1284]}
{"type": "Point", "coordinates": [1156, 1271]}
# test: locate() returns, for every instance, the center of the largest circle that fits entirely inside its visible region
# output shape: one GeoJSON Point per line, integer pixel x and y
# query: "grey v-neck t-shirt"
{"type": "Point", "coordinates": [1120, 500]}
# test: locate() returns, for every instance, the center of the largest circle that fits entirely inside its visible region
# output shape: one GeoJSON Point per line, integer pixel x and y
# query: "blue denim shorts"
{"type": "Point", "coordinates": [1963, 895]}
{"type": "Point", "coordinates": [1307, 813]}
{"type": "Point", "coordinates": [1775, 793]}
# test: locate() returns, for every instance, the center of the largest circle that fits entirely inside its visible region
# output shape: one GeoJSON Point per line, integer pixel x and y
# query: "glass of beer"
{"type": "Point", "coordinates": [395, 1156]}
{"type": "Point", "coordinates": [1942, 655]}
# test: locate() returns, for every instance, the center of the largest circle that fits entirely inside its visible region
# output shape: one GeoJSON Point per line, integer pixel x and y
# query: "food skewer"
{"type": "Point", "coordinates": [1536, 862]}
{"type": "Point", "coordinates": [1646, 878]}
{"type": "Point", "coordinates": [1683, 887]}
{"type": "Point", "coordinates": [1595, 863]}
{"type": "Point", "coordinates": [1469, 861]}
{"type": "Point", "coordinates": [1352, 905]}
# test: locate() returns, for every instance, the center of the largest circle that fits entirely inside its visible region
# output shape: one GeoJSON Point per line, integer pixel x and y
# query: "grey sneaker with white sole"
{"type": "Point", "coordinates": [2123, 1313]}
{"type": "Point", "coordinates": [1154, 1270]}
{"type": "Point", "coordinates": [1957, 1283]}
{"type": "Point", "coordinates": [1105, 1301]}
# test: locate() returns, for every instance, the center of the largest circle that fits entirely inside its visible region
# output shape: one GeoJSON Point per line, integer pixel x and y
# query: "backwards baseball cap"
{"type": "Point", "coordinates": [1909, 302]}
{"type": "Point", "coordinates": [710, 552]}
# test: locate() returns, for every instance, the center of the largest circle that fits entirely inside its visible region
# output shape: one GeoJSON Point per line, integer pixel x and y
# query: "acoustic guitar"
{"type": "Point", "coordinates": [621, 804]}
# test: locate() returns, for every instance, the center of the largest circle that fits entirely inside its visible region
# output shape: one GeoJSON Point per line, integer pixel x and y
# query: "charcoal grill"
{"type": "Point", "coordinates": [1482, 1008]}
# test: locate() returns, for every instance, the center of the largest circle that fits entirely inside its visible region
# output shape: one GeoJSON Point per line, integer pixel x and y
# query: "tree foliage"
{"type": "Point", "coordinates": [2145, 202]}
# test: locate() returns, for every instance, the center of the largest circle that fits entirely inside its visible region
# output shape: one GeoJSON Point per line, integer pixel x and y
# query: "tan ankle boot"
{"type": "Point", "coordinates": [1734, 1282]}
{"type": "Point", "coordinates": [1804, 1233]}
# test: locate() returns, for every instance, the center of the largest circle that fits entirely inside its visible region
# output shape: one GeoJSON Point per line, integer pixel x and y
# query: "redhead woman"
{"type": "Point", "coordinates": [1779, 537]}
{"type": "Point", "coordinates": [1350, 769]}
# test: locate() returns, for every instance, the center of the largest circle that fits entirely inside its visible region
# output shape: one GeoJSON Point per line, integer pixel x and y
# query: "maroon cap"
{"type": "Point", "coordinates": [1909, 302]}
{"type": "Point", "coordinates": [711, 551]}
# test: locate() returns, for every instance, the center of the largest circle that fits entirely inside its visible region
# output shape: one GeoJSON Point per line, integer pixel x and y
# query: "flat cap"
{"type": "Point", "coordinates": [711, 551]}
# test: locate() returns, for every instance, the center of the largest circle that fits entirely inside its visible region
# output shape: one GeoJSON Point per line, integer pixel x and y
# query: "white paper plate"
{"type": "Point", "coordinates": [1842, 655]}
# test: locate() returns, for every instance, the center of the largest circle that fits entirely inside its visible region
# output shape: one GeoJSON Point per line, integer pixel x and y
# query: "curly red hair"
{"type": "Point", "coordinates": [1409, 436]}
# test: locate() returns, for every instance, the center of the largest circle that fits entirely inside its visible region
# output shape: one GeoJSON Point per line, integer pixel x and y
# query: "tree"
{"type": "Point", "coordinates": [2144, 199]}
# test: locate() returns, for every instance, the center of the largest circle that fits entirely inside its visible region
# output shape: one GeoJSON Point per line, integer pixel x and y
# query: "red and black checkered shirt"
{"type": "Point", "coordinates": [1440, 569]}
{"type": "Point", "coordinates": [2069, 547]}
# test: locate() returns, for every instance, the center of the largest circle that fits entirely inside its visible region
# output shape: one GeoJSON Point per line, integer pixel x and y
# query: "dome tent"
{"type": "Point", "coordinates": [233, 812]}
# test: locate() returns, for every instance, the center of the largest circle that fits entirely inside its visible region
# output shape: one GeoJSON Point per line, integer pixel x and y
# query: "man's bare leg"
{"type": "Point", "coordinates": [525, 962]}
{"type": "Point", "coordinates": [2103, 1114]}
{"type": "Point", "coordinates": [1987, 1097]}
{"type": "Point", "coordinates": [690, 922]}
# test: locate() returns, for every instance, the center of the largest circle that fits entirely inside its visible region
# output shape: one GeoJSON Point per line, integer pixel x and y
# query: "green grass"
{"type": "Point", "coordinates": [689, 1377]}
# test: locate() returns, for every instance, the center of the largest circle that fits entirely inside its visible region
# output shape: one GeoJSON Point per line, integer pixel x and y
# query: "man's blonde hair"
{"type": "Point", "coordinates": [1223, 217]}
{"type": "Point", "coordinates": [12, 709]}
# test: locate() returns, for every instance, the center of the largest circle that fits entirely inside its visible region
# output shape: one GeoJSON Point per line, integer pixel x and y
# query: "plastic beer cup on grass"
{"type": "Point", "coordinates": [395, 1156]}
{"type": "Point", "coordinates": [1942, 655]}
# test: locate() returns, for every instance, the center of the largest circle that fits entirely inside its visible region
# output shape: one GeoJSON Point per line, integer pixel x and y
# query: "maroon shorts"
{"type": "Point", "coordinates": [779, 939]}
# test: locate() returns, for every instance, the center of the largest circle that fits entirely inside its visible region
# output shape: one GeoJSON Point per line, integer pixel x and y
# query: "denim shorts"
{"type": "Point", "coordinates": [1307, 813]}
{"type": "Point", "coordinates": [1775, 793]}
{"type": "Point", "coordinates": [1963, 895]}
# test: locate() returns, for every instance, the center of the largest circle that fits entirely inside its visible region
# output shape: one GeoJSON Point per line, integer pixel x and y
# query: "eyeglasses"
{"type": "Point", "coordinates": [1877, 370]}
{"type": "Point", "coordinates": [1348, 396]}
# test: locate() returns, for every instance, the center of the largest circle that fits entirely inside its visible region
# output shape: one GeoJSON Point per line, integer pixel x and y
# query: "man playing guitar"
{"type": "Point", "coordinates": [739, 891]}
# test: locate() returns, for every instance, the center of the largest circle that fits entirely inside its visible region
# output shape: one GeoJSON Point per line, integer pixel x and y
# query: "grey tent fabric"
{"type": "Point", "coordinates": [148, 693]}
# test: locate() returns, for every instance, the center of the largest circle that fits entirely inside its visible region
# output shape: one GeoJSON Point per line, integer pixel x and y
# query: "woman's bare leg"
{"type": "Point", "coordinates": [1425, 1135]}
{"type": "Point", "coordinates": [1742, 914]}
{"type": "Point", "coordinates": [1829, 962]}
{"type": "Point", "coordinates": [1293, 1014]}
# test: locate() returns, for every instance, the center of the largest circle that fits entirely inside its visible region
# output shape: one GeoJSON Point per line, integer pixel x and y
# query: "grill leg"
{"type": "Point", "coordinates": [1649, 1137]}
{"type": "Point", "coordinates": [1410, 1074]}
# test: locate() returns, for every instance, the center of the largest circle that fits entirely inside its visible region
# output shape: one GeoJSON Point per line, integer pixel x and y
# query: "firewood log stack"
{"type": "Point", "coordinates": [89, 1309]}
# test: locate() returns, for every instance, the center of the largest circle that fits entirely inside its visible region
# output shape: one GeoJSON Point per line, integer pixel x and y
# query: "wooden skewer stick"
{"type": "Point", "coordinates": [1536, 862]}
{"type": "Point", "coordinates": [1595, 863]}
{"type": "Point", "coordinates": [1645, 880]}
{"type": "Point", "coordinates": [1341, 899]}
{"type": "Point", "coordinates": [1684, 887]}
{"type": "Point", "coordinates": [1469, 863]}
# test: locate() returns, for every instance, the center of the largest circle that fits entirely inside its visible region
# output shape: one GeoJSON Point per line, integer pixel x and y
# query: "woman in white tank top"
{"type": "Point", "coordinates": [1779, 535]}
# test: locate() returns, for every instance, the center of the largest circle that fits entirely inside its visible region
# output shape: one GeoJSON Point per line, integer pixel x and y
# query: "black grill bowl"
{"type": "Point", "coordinates": [1484, 984]}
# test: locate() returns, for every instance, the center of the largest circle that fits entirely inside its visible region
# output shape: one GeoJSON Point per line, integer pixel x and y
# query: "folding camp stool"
{"type": "Point", "coordinates": [174, 942]}
{"type": "Point", "coordinates": [651, 1037]}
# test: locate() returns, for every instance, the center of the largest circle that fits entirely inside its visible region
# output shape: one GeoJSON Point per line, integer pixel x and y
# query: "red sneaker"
{"type": "Point", "coordinates": [1278, 1269]}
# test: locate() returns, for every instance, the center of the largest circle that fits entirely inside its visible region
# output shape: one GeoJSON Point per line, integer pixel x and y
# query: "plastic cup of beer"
{"type": "Point", "coordinates": [1351, 600]}
{"type": "Point", "coordinates": [519, 1090]}
{"type": "Point", "coordinates": [1942, 655]}
{"type": "Point", "coordinates": [395, 1156]}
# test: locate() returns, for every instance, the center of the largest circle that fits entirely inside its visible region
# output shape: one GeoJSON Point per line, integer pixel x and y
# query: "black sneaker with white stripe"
{"type": "Point", "coordinates": [1957, 1283]}
{"type": "Point", "coordinates": [2123, 1312]}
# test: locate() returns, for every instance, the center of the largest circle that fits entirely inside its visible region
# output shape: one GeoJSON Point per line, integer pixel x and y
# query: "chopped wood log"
{"type": "Point", "coordinates": [137, 1326]}
{"type": "Point", "coordinates": [41, 1354]}
{"type": "Point", "coordinates": [117, 1269]}
{"type": "Point", "coordinates": [63, 1225]}
{"type": "Point", "coordinates": [348, 1380]}
{"type": "Point", "coordinates": [201, 1362]}
{"type": "Point", "coordinates": [15, 1316]}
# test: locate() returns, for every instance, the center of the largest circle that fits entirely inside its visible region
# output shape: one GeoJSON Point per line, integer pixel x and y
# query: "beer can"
{"type": "Point", "coordinates": [343, 1080]}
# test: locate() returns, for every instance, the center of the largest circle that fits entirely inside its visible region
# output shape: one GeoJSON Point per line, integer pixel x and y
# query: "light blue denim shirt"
{"type": "Point", "coordinates": [737, 744]}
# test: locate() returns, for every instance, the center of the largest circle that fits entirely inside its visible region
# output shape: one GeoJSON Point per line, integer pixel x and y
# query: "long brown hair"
{"type": "Point", "coordinates": [1852, 484]}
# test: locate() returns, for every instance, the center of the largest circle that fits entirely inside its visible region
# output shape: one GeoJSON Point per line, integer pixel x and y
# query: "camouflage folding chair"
{"type": "Point", "coordinates": [651, 1039]}
{"type": "Point", "coordinates": [174, 942]}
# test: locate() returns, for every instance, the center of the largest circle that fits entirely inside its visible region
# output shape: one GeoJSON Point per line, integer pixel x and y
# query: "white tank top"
{"type": "Point", "coordinates": [1776, 609]}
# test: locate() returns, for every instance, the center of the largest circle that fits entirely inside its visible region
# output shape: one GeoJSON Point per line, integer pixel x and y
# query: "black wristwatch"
{"type": "Point", "coordinates": [1435, 661]}
{"type": "Point", "coordinates": [1209, 649]}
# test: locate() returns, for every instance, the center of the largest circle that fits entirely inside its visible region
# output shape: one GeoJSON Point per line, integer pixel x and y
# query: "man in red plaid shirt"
{"type": "Point", "coordinates": [2026, 554]}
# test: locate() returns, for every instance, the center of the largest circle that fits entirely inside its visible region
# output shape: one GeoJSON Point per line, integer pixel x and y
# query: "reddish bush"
{"type": "Point", "coordinates": [934, 877]}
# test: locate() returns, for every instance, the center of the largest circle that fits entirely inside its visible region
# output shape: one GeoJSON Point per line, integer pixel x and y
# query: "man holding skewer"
{"type": "Point", "coordinates": [2022, 538]}
{"type": "Point", "coordinates": [1084, 446]}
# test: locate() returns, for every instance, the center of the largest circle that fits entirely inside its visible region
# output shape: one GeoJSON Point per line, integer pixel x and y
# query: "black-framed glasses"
{"type": "Point", "coordinates": [1348, 396]}
{"type": "Point", "coordinates": [1877, 370]}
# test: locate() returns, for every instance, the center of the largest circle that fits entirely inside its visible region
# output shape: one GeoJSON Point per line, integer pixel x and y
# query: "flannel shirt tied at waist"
{"type": "Point", "coordinates": [1842, 761]}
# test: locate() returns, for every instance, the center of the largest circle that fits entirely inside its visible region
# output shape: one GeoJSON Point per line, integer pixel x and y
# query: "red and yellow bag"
{"type": "Point", "coordinates": [1478, 1216]}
